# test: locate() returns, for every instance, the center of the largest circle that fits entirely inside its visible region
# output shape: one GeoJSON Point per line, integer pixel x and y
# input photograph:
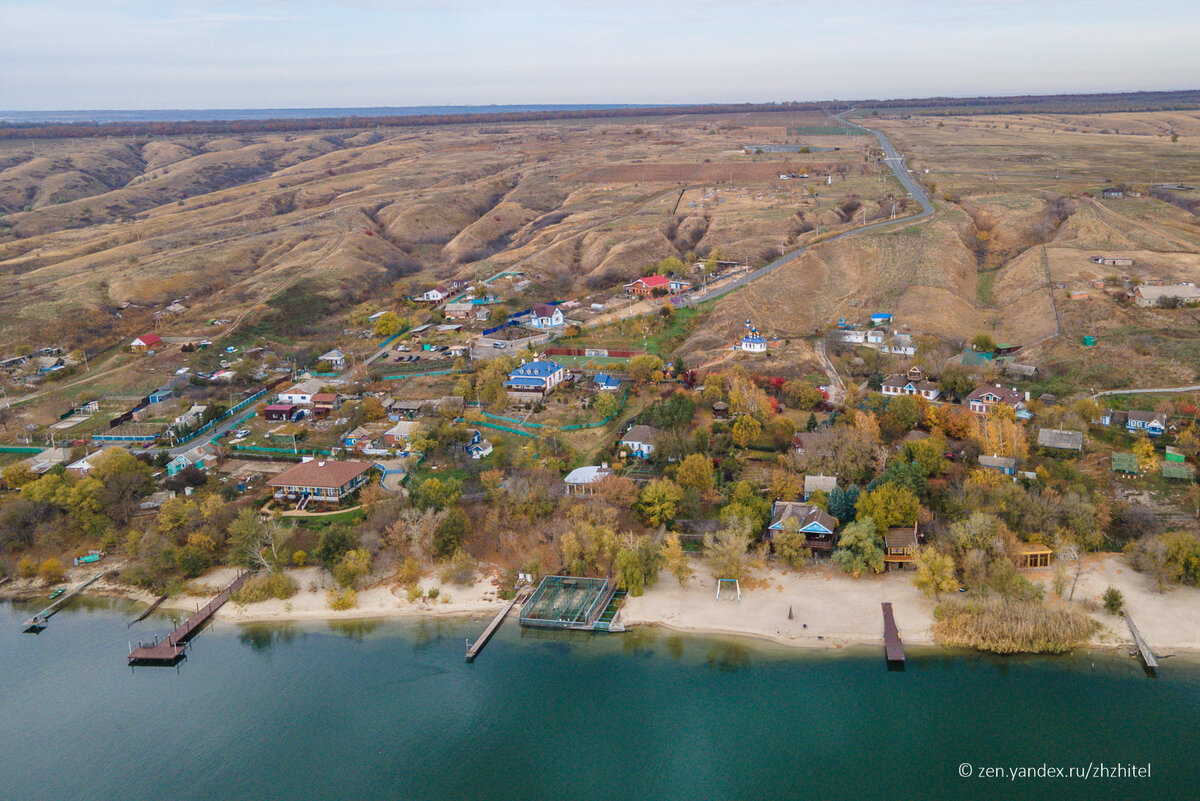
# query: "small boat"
{"type": "Point", "coordinates": [57, 593]}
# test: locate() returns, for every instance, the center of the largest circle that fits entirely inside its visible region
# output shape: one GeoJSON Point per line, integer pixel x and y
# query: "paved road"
{"type": "Point", "coordinates": [895, 161]}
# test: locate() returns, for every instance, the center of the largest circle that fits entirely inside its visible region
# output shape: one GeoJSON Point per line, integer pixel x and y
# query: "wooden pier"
{"type": "Point", "coordinates": [892, 645]}
{"type": "Point", "coordinates": [146, 612]}
{"type": "Point", "coordinates": [1149, 659]}
{"type": "Point", "coordinates": [474, 648]}
{"type": "Point", "coordinates": [172, 649]}
{"type": "Point", "coordinates": [38, 622]}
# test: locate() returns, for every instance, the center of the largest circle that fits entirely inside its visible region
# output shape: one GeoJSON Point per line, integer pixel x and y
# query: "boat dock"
{"type": "Point", "coordinates": [473, 648]}
{"type": "Point", "coordinates": [172, 649]}
{"type": "Point", "coordinates": [146, 612]}
{"type": "Point", "coordinates": [38, 622]}
{"type": "Point", "coordinates": [892, 644]}
{"type": "Point", "coordinates": [1149, 659]}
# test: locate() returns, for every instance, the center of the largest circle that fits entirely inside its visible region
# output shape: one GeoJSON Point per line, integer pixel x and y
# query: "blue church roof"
{"type": "Point", "coordinates": [540, 369]}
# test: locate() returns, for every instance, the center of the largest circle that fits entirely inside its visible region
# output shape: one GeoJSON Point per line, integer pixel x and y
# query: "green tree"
{"type": "Point", "coordinates": [956, 382]}
{"type": "Point", "coordinates": [935, 572]}
{"type": "Point", "coordinates": [695, 472]}
{"type": "Point", "coordinates": [354, 566]}
{"type": "Point", "coordinates": [335, 541]}
{"type": "Point", "coordinates": [436, 493]}
{"type": "Point", "coordinates": [658, 501]}
{"type": "Point", "coordinates": [860, 548]}
{"type": "Point", "coordinates": [888, 505]}
{"type": "Point", "coordinates": [811, 425]}
{"type": "Point", "coordinates": [637, 565]}
{"type": "Point", "coordinates": [450, 533]}
{"type": "Point", "coordinates": [1114, 601]}
{"type": "Point", "coordinates": [842, 501]}
{"type": "Point", "coordinates": [791, 546]}
{"type": "Point", "coordinates": [605, 405]}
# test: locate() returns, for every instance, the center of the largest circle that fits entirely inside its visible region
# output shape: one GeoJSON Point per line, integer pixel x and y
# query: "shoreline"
{"type": "Point", "coordinates": [816, 609]}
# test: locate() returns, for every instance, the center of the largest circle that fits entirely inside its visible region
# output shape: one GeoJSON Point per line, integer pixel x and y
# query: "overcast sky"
{"type": "Point", "coordinates": [135, 54]}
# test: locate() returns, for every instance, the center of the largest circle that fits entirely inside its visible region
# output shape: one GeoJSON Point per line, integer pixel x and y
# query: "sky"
{"type": "Point", "coordinates": [166, 54]}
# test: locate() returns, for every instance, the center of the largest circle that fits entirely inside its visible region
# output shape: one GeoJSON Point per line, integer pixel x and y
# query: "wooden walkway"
{"type": "Point", "coordinates": [38, 622]}
{"type": "Point", "coordinates": [170, 650]}
{"type": "Point", "coordinates": [1148, 657]}
{"type": "Point", "coordinates": [891, 637]}
{"type": "Point", "coordinates": [474, 648]}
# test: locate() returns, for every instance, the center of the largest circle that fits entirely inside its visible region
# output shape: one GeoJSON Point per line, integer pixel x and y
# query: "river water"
{"type": "Point", "coordinates": [388, 710]}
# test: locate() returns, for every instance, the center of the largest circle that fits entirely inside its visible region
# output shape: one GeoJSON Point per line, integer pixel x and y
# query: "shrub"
{"type": "Point", "coordinates": [264, 586]}
{"type": "Point", "coordinates": [300, 558]}
{"type": "Point", "coordinates": [415, 593]}
{"type": "Point", "coordinates": [459, 570]}
{"type": "Point", "coordinates": [433, 593]}
{"type": "Point", "coordinates": [1114, 601]}
{"type": "Point", "coordinates": [51, 571]}
{"type": "Point", "coordinates": [27, 568]}
{"type": "Point", "coordinates": [353, 566]}
{"type": "Point", "coordinates": [410, 572]}
{"type": "Point", "coordinates": [341, 600]}
{"type": "Point", "coordinates": [1007, 627]}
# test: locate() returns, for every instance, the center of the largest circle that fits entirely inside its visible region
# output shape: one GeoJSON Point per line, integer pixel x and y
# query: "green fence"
{"type": "Point", "coordinates": [264, 449]}
{"type": "Point", "coordinates": [20, 449]}
{"type": "Point", "coordinates": [499, 427]}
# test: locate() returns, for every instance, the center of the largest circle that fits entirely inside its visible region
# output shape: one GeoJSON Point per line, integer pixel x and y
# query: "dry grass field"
{"type": "Point", "coordinates": [100, 231]}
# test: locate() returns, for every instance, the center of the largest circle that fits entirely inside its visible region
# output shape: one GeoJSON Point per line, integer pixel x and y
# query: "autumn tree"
{"type": "Point", "coordinates": [658, 501]}
{"type": "Point", "coordinates": [387, 325]}
{"type": "Point", "coordinates": [935, 572]}
{"type": "Point", "coordinates": [605, 405]}
{"type": "Point", "coordinates": [888, 505]}
{"type": "Point", "coordinates": [675, 559]}
{"type": "Point", "coordinates": [790, 544]}
{"type": "Point", "coordinates": [726, 551]}
{"type": "Point", "coordinates": [745, 430]}
{"type": "Point", "coordinates": [860, 548]}
{"type": "Point", "coordinates": [643, 368]}
{"type": "Point", "coordinates": [695, 472]}
{"type": "Point", "coordinates": [784, 485]}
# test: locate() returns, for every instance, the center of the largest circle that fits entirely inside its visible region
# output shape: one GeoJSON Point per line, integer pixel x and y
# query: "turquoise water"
{"type": "Point", "coordinates": [388, 710]}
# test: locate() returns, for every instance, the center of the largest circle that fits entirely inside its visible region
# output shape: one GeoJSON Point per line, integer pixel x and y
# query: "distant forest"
{"type": "Point", "coordinates": [1017, 104]}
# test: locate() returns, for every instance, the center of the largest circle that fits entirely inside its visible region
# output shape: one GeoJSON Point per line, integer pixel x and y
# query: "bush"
{"type": "Point", "coordinates": [300, 558]}
{"type": "Point", "coordinates": [449, 535]}
{"type": "Point", "coordinates": [264, 586]}
{"type": "Point", "coordinates": [410, 572]}
{"type": "Point", "coordinates": [51, 571]}
{"type": "Point", "coordinates": [433, 593]}
{"type": "Point", "coordinates": [459, 570]}
{"type": "Point", "coordinates": [352, 568]}
{"type": "Point", "coordinates": [341, 600]}
{"type": "Point", "coordinates": [1114, 601]}
{"type": "Point", "coordinates": [1006, 627]}
{"type": "Point", "coordinates": [27, 568]}
{"type": "Point", "coordinates": [415, 593]}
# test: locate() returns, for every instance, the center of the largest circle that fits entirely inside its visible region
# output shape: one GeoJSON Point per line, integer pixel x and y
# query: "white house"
{"type": "Point", "coordinates": [534, 380]}
{"type": "Point", "coordinates": [640, 440]}
{"type": "Point", "coordinates": [435, 295]}
{"type": "Point", "coordinates": [911, 383]}
{"type": "Point", "coordinates": [544, 315]}
{"type": "Point", "coordinates": [580, 480]}
{"type": "Point", "coordinates": [334, 357]}
{"type": "Point", "coordinates": [302, 393]}
{"type": "Point", "coordinates": [1145, 296]}
{"type": "Point", "coordinates": [983, 399]}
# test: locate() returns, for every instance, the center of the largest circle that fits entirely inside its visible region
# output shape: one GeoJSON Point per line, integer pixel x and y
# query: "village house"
{"type": "Point", "coordinates": [191, 417]}
{"type": "Point", "coordinates": [401, 433]}
{"type": "Point", "coordinates": [200, 457]}
{"type": "Point", "coordinates": [280, 412]}
{"type": "Point", "coordinates": [1058, 438]}
{"type": "Point", "coordinates": [640, 440]}
{"type": "Point", "coordinates": [477, 447]}
{"type": "Point", "coordinates": [1146, 296]}
{"type": "Point", "coordinates": [986, 398]}
{"type": "Point", "coordinates": [1153, 423]}
{"type": "Point", "coordinates": [534, 381]}
{"type": "Point", "coordinates": [1113, 261]}
{"type": "Point", "coordinates": [1112, 193]}
{"type": "Point", "coordinates": [324, 403]}
{"type": "Point", "coordinates": [582, 480]}
{"type": "Point", "coordinates": [82, 467]}
{"type": "Point", "coordinates": [334, 357]}
{"type": "Point", "coordinates": [602, 382]}
{"type": "Point", "coordinates": [435, 295]}
{"type": "Point", "coordinates": [652, 285]}
{"type": "Point", "coordinates": [459, 310]}
{"type": "Point", "coordinates": [911, 383]}
{"type": "Point", "coordinates": [320, 480]}
{"type": "Point", "coordinates": [825, 484]}
{"type": "Point", "coordinates": [145, 342]}
{"type": "Point", "coordinates": [1004, 464]}
{"type": "Point", "coordinates": [813, 522]}
{"type": "Point", "coordinates": [545, 315]}
{"type": "Point", "coordinates": [302, 393]}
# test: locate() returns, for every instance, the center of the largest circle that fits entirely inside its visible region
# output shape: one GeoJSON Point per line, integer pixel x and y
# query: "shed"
{"type": "Point", "coordinates": [1058, 438]}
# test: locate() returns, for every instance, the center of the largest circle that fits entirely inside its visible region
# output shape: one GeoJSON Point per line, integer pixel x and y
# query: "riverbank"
{"type": "Point", "coordinates": [816, 608]}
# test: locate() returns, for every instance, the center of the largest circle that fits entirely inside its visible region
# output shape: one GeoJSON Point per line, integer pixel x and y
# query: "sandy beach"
{"type": "Point", "coordinates": [827, 608]}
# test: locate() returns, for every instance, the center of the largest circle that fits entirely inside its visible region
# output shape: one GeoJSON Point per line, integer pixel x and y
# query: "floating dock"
{"type": "Point", "coordinates": [473, 648]}
{"type": "Point", "coordinates": [172, 649]}
{"type": "Point", "coordinates": [1149, 658]}
{"type": "Point", "coordinates": [892, 644]}
{"type": "Point", "coordinates": [38, 622]}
